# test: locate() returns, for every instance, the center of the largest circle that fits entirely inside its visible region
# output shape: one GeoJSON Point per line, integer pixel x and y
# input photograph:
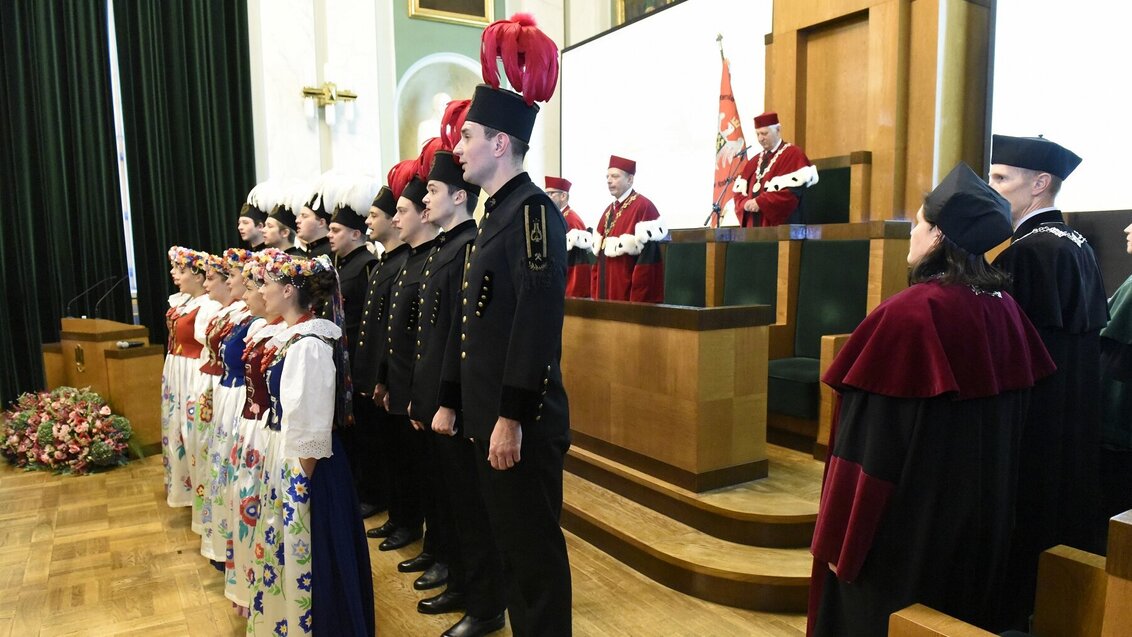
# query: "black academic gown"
{"type": "Point", "coordinates": [1057, 283]}
{"type": "Point", "coordinates": [917, 500]}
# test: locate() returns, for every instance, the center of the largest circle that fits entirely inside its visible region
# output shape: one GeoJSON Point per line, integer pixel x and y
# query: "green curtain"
{"type": "Point", "coordinates": [62, 212]}
{"type": "Point", "coordinates": [186, 102]}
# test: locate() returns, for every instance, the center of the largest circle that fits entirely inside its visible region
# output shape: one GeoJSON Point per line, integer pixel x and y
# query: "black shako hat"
{"type": "Point", "coordinates": [446, 169]}
{"type": "Point", "coordinates": [385, 201]}
{"type": "Point", "coordinates": [347, 216]}
{"type": "Point", "coordinates": [502, 110]}
{"type": "Point", "coordinates": [968, 211]}
{"type": "Point", "coordinates": [253, 213]}
{"type": "Point", "coordinates": [285, 216]}
{"type": "Point", "coordinates": [1034, 153]}
{"type": "Point", "coordinates": [415, 192]}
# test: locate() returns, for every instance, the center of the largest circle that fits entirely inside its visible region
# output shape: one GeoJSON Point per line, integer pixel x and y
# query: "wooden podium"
{"type": "Point", "coordinates": [87, 355]}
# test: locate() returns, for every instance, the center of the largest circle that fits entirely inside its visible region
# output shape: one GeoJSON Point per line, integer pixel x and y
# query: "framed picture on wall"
{"type": "Point", "coordinates": [628, 10]}
{"type": "Point", "coordinates": [475, 13]}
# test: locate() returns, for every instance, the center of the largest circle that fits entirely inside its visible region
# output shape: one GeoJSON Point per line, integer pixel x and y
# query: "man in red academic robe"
{"type": "Point", "coordinates": [579, 241]}
{"type": "Point", "coordinates": [626, 242]}
{"type": "Point", "coordinates": [767, 191]}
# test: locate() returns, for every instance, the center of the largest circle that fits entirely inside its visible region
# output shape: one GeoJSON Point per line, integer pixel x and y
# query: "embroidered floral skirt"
{"type": "Point", "coordinates": [245, 453]}
{"type": "Point", "coordinates": [215, 513]}
{"type": "Point", "coordinates": [178, 409]}
{"type": "Point", "coordinates": [196, 442]}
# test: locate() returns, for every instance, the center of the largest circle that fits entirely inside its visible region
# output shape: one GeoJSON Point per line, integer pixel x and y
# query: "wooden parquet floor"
{"type": "Point", "coordinates": [104, 555]}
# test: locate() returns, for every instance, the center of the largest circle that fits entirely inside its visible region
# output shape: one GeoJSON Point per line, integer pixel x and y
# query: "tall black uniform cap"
{"type": "Point", "coordinates": [253, 213]}
{"type": "Point", "coordinates": [968, 211]}
{"type": "Point", "coordinates": [1034, 153]}
{"type": "Point", "coordinates": [502, 110]}
{"type": "Point", "coordinates": [385, 201]}
{"type": "Point", "coordinates": [285, 216]}
{"type": "Point", "coordinates": [415, 192]}
{"type": "Point", "coordinates": [446, 169]}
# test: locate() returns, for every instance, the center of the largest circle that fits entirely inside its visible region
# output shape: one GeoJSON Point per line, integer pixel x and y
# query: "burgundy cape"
{"type": "Point", "coordinates": [917, 501]}
{"type": "Point", "coordinates": [579, 256]}
{"type": "Point", "coordinates": [628, 266]}
{"type": "Point", "coordinates": [775, 206]}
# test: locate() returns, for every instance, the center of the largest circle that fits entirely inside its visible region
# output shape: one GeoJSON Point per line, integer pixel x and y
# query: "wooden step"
{"type": "Point", "coordinates": [684, 558]}
{"type": "Point", "coordinates": [776, 511]}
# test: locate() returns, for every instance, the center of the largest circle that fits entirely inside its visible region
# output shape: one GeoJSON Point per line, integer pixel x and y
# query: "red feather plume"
{"type": "Point", "coordinates": [452, 122]}
{"type": "Point", "coordinates": [424, 161]}
{"type": "Point", "coordinates": [400, 175]}
{"type": "Point", "coordinates": [530, 57]}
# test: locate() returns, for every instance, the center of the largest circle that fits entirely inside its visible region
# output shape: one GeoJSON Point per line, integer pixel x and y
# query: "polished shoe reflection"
{"type": "Point", "coordinates": [416, 564]}
{"type": "Point", "coordinates": [469, 626]}
{"type": "Point", "coordinates": [399, 539]}
{"type": "Point", "coordinates": [385, 530]}
{"type": "Point", "coordinates": [436, 575]}
{"type": "Point", "coordinates": [446, 602]}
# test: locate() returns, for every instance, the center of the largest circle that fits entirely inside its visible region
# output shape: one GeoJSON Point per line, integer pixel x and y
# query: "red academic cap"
{"type": "Point", "coordinates": [769, 118]}
{"type": "Point", "coordinates": [627, 165]}
{"type": "Point", "coordinates": [558, 183]}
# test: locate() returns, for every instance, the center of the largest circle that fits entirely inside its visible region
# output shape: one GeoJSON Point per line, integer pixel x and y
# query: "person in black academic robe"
{"type": "Point", "coordinates": [1058, 284]}
{"type": "Point", "coordinates": [918, 496]}
{"type": "Point", "coordinates": [1116, 403]}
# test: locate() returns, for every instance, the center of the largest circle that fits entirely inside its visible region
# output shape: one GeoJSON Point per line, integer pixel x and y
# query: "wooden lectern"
{"type": "Point", "coordinates": [87, 355]}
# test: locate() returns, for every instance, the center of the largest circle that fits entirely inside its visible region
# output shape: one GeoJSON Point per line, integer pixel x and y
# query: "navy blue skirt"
{"type": "Point", "coordinates": [342, 586]}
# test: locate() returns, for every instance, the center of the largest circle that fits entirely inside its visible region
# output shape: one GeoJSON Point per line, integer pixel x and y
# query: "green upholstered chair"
{"type": "Point", "coordinates": [751, 274]}
{"type": "Point", "coordinates": [685, 269]}
{"type": "Point", "coordinates": [833, 282]}
{"type": "Point", "coordinates": [826, 201]}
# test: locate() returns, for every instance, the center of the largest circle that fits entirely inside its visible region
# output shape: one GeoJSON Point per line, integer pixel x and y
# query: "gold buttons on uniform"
{"type": "Point", "coordinates": [463, 355]}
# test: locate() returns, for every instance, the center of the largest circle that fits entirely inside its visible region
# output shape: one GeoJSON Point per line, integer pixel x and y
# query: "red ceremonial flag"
{"type": "Point", "coordinates": [730, 145]}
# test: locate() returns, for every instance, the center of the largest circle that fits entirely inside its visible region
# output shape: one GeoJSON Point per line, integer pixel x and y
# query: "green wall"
{"type": "Point", "coordinates": [416, 38]}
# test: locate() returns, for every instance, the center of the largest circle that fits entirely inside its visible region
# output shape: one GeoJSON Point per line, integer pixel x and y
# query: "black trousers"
{"type": "Point", "coordinates": [475, 567]}
{"type": "Point", "coordinates": [363, 442]}
{"type": "Point", "coordinates": [524, 504]}
{"type": "Point", "coordinates": [404, 452]}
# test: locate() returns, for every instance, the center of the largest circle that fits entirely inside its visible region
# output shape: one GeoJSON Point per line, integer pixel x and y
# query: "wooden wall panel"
{"type": "Point", "coordinates": [836, 84]}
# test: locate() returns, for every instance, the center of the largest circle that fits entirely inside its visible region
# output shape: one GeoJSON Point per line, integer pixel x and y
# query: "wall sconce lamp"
{"type": "Point", "coordinates": [328, 95]}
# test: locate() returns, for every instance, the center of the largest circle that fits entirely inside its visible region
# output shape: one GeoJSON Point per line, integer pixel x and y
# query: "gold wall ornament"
{"type": "Point", "coordinates": [329, 96]}
{"type": "Point", "coordinates": [476, 13]}
{"type": "Point", "coordinates": [80, 359]}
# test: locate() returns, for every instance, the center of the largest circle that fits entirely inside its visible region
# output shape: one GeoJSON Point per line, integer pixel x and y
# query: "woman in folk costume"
{"type": "Point", "coordinates": [312, 571]}
{"type": "Point", "coordinates": [216, 284]}
{"type": "Point", "coordinates": [918, 498]}
{"type": "Point", "coordinates": [169, 399]}
{"type": "Point", "coordinates": [184, 377]}
{"type": "Point", "coordinates": [245, 445]}
{"type": "Point", "coordinates": [226, 336]}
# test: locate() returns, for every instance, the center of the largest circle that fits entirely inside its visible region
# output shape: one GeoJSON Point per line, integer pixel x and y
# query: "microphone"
{"type": "Point", "coordinates": [67, 308]}
{"type": "Point", "coordinates": [103, 297]}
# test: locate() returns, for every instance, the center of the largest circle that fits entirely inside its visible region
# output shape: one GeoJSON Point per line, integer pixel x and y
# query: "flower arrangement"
{"type": "Point", "coordinates": [66, 430]}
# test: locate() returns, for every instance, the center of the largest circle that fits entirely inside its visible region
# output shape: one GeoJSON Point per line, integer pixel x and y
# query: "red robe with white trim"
{"type": "Point", "coordinates": [579, 255]}
{"type": "Point", "coordinates": [775, 206]}
{"type": "Point", "coordinates": [918, 499]}
{"type": "Point", "coordinates": [625, 241]}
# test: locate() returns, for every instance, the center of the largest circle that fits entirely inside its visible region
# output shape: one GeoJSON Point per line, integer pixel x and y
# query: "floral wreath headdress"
{"type": "Point", "coordinates": [235, 259]}
{"type": "Point", "coordinates": [194, 260]}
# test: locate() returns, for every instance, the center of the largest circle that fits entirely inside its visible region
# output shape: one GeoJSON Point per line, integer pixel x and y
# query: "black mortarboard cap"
{"type": "Point", "coordinates": [968, 211]}
{"type": "Point", "coordinates": [502, 110]}
{"type": "Point", "coordinates": [446, 169]}
{"type": "Point", "coordinates": [1033, 153]}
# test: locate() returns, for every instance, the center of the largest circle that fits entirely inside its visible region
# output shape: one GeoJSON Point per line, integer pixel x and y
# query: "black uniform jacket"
{"type": "Point", "coordinates": [396, 369]}
{"type": "Point", "coordinates": [353, 279]}
{"type": "Point", "coordinates": [505, 360]}
{"type": "Point", "coordinates": [440, 301]}
{"type": "Point", "coordinates": [375, 315]}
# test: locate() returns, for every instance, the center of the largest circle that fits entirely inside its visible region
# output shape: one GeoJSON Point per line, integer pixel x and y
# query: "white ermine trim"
{"type": "Point", "coordinates": [804, 176]}
{"type": "Point", "coordinates": [651, 231]}
{"type": "Point", "coordinates": [740, 186]}
{"type": "Point", "coordinates": [622, 245]}
{"type": "Point", "coordinates": [579, 238]}
{"type": "Point", "coordinates": [595, 243]}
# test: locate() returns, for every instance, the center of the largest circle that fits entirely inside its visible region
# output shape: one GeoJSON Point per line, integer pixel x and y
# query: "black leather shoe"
{"type": "Point", "coordinates": [385, 530]}
{"type": "Point", "coordinates": [469, 626]}
{"type": "Point", "coordinates": [400, 538]}
{"type": "Point", "coordinates": [417, 564]}
{"type": "Point", "coordinates": [446, 602]}
{"type": "Point", "coordinates": [436, 575]}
